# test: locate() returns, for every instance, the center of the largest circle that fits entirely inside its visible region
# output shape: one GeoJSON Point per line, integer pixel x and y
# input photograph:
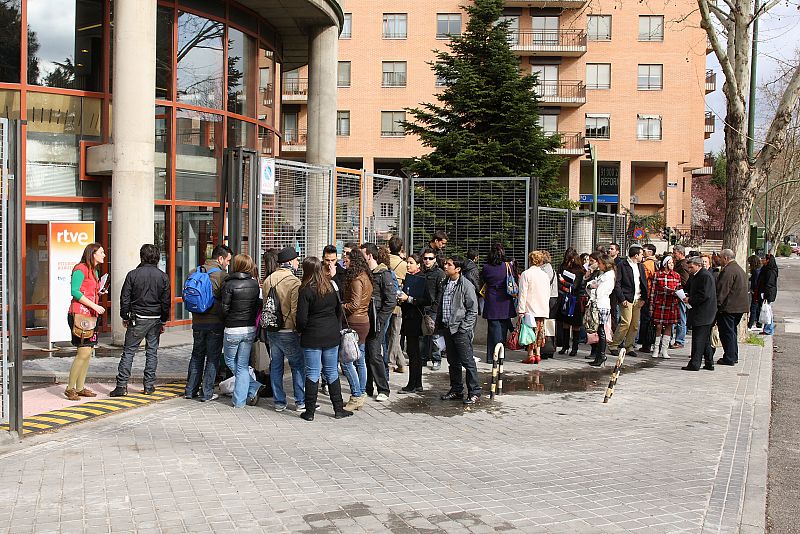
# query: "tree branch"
{"type": "Point", "coordinates": [778, 128]}
{"type": "Point", "coordinates": [722, 56]}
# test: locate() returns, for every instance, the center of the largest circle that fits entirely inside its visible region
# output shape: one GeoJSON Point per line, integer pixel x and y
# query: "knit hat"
{"type": "Point", "coordinates": [665, 261]}
{"type": "Point", "coordinates": [287, 254]}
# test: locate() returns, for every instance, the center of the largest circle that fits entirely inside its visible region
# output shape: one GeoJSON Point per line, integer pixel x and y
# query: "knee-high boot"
{"type": "Point", "coordinates": [564, 341]}
{"type": "Point", "coordinates": [312, 389]}
{"type": "Point", "coordinates": [575, 337]}
{"type": "Point", "coordinates": [335, 391]}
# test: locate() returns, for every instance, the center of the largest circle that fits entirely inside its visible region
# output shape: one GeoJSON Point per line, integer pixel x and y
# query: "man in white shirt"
{"type": "Point", "coordinates": [631, 293]}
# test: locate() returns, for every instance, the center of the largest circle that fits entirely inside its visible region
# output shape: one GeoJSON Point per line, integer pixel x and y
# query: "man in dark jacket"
{"type": "Point", "coordinates": [437, 243]}
{"type": "Point", "coordinates": [384, 299]}
{"type": "Point", "coordinates": [144, 307]}
{"type": "Point", "coordinates": [433, 281]}
{"type": "Point", "coordinates": [703, 301]}
{"type": "Point", "coordinates": [733, 301]}
{"type": "Point", "coordinates": [470, 271]}
{"type": "Point", "coordinates": [631, 293]}
{"type": "Point", "coordinates": [456, 313]}
{"type": "Point", "coordinates": [208, 331]}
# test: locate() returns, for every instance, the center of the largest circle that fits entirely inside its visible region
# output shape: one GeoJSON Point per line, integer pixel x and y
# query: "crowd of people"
{"type": "Point", "coordinates": [405, 311]}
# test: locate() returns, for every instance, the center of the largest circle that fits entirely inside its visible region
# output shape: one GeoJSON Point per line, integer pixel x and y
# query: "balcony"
{"type": "Point", "coordinates": [709, 48]}
{"type": "Point", "coordinates": [571, 144]}
{"type": "Point", "coordinates": [568, 93]}
{"type": "Point", "coordinates": [561, 4]}
{"type": "Point", "coordinates": [295, 90]}
{"type": "Point", "coordinates": [294, 140]}
{"type": "Point", "coordinates": [708, 166]}
{"type": "Point", "coordinates": [710, 123]}
{"type": "Point", "coordinates": [711, 81]}
{"type": "Point", "coordinates": [393, 79]}
{"type": "Point", "coordinates": [571, 43]}
{"type": "Point", "coordinates": [266, 95]}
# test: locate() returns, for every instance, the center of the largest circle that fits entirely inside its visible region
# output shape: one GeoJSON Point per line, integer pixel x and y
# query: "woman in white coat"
{"type": "Point", "coordinates": [600, 289]}
{"type": "Point", "coordinates": [533, 305]}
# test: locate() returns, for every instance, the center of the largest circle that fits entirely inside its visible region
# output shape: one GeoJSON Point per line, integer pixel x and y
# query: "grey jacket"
{"type": "Point", "coordinates": [463, 307]}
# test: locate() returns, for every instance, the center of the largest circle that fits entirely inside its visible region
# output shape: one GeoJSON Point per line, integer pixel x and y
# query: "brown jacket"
{"type": "Point", "coordinates": [357, 296]}
{"type": "Point", "coordinates": [733, 295]}
{"type": "Point", "coordinates": [287, 286]}
{"type": "Point", "coordinates": [682, 269]}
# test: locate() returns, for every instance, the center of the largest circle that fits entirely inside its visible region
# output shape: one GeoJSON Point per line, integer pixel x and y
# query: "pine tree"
{"type": "Point", "coordinates": [486, 120]}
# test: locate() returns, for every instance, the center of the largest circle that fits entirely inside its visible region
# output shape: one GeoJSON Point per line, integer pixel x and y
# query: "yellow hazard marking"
{"type": "Point", "coordinates": [48, 419]}
{"type": "Point", "coordinates": [28, 423]}
{"type": "Point", "coordinates": [92, 411]}
{"type": "Point", "coordinates": [65, 413]}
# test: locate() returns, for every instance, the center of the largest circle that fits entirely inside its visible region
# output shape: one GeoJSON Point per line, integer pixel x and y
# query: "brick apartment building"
{"type": "Point", "coordinates": [628, 77]}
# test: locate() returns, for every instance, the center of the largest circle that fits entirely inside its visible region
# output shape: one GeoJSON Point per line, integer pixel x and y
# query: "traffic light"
{"type": "Point", "coordinates": [587, 149]}
{"type": "Point", "coordinates": [673, 239]}
{"type": "Point", "coordinates": [665, 233]}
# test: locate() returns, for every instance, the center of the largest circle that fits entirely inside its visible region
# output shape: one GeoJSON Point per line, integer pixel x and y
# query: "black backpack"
{"type": "Point", "coordinates": [271, 313]}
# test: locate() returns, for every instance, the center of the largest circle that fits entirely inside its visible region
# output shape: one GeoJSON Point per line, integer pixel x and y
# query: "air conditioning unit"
{"type": "Point", "coordinates": [634, 199]}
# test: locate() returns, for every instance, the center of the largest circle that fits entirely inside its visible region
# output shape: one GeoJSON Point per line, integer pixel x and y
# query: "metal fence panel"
{"type": "Point", "coordinates": [348, 201]}
{"type": "Point", "coordinates": [553, 232]}
{"type": "Point", "coordinates": [475, 212]}
{"type": "Point", "coordinates": [382, 207]}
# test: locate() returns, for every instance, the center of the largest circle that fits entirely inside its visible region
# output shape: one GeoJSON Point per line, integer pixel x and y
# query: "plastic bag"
{"type": "Point", "coordinates": [226, 386]}
{"type": "Point", "coordinates": [348, 346]}
{"type": "Point", "coordinates": [716, 342]}
{"type": "Point", "coordinates": [765, 317]}
{"type": "Point", "coordinates": [527, 334]}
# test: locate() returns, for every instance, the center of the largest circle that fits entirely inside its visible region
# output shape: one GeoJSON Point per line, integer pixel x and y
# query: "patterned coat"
{"type": "Point", "coordinates": [663, 302]}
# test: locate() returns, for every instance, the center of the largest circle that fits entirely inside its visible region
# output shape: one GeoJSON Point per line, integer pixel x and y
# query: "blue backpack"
{"type": "Point", "coordinates": [198, 293]}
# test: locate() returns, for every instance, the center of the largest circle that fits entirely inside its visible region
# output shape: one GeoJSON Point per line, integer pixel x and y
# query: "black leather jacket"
{"type": "Point", "coordinates": [240, 300]}
{"type": "Point", "coordinates": [145, 293]}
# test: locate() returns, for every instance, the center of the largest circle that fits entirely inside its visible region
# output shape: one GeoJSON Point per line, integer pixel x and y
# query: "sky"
{"type": "Point", "coordinates": [778, 43]}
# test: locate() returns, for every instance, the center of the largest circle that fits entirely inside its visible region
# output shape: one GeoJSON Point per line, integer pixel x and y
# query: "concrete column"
{"type": "Point", "coordinates": [625, 186]}
{"type": "Point", "coordinates": [133, 129]}
{"type": "Point", "coordinates": [574, 178]}
{"type": "Point", "coordinates": [321, 142]}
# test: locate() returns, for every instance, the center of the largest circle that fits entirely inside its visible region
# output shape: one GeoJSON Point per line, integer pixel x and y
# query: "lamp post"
{"type": "Point", "coordinates": [591, 154]}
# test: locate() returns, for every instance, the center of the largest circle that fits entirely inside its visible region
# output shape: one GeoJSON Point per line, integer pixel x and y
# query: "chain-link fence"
{"type": "Point", "coordinates": [348, 202]}
{"type": "Point", "coordinates": [558, 229]}
{"type": "Point", "coordinates": [382, 210]}
{"type": "Point", "coordinates": [553, 232]}
{"type": "Point", "coordinates": [475, 212]}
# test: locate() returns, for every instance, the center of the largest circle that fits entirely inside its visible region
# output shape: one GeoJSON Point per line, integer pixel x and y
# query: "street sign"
{"type": "Point", "coordinates": [638, 234]}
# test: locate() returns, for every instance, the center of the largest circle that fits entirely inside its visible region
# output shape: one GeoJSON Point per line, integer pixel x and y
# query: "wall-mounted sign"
{"type": "Point", "coordinates": [672, 185]}
{"type": "Point", "coordinates": [267, 175]}
{"type": "Point", "coordinates": [607, 180]}
{"type": "Point", "coordinates": [601, 199]}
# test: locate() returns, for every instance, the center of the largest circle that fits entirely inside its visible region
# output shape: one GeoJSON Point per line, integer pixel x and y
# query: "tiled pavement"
{"type": "Point", "coordinates": [667, 454]}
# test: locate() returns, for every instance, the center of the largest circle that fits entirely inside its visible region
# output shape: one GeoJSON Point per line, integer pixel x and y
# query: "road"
{"type": "Point", "coordinates": [783, 497]}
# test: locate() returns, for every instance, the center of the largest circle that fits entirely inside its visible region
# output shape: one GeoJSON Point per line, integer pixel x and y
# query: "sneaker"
{"type": "Point", "coordinates": [382, 397]}
{"type": "Point", "coordinates": [118, 391]}
{"type": "Point", "coordinates": [405, 390]}
{"type": "Point", "coordinates": [149, 390]}
{"type": "Point", "coordinates": [280, 407]}
{"type": "Point", "coordinates": [436, 366]}
{"type": "Point", "coordinates": [252, 401]}
{"type": "Point", "coordinates": [472, 399]}
{"type": "Point", "coordinates": [451, 395]}
{"type": "Point", "coordinates": [212, 398]}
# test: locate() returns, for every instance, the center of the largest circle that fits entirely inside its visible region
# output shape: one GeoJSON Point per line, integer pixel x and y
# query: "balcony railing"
{"type": "Point", "coordinates": [294, 140]}
{"type": "Point", "coordinates": [709, 48]}
{"type": "Point", "coordinates": [711, 81]}
{"type": "Point", "coordinates": [710, 123]}
{"type": "Point", "coordinates": [708, 166]}
{"type": "Point", "coordinates": [548, 42]}
{"type": "Point", "coordinates": [562, 4]}
{"type": "Point", "coordinates": [561, 92]}
{"type": "Point", "coordinates": [266, 96]}
{"type": "Point", "coordinates": [394, 79]}
{"type": "Point", "coordinates": [295, 87]}
{"type": "Point", "coordinates": [571, 144]}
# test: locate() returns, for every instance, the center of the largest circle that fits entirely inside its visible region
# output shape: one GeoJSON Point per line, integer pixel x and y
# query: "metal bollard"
{"type": "Point", "coordinates": [614, 376]}
{"type": "Point", "coordinates": [498, 357]}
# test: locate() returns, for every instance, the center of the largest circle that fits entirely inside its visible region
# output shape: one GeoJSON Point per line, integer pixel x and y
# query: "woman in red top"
{"type": "Point", "coordinates": [85, 289]}
{"type": "Point", "coordinates": [664, 310]}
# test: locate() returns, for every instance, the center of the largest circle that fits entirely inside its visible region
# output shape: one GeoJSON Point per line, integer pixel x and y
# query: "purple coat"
{"type": "Point", "coordinates": [497, 304]}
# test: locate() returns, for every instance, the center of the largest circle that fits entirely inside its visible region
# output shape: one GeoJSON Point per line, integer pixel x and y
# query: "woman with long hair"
{"type": "Point", "coordinates": [768, 288]}
{"type": "Point", "coordinates": [601, 288]}
{"type": "Point", "coordinates": [498, 305]}
{"type": "Point", "coordinates": [240, 305]}
{"type": "Point", "coordinates": [413, 307]}
{"type": "Point", "coordinates": [534, 303]}
{"type": "Point", "coordinates": [754, 263]}
{"type": "Point", "coordinates": [664, 307]}
{"type": "Point", "coordinates": [357, 297]}
{"type": "Point", "coordinates": [319, 323]}
{"type": "Point", "coordinates": [85, 289]}
{"type": "Point", "coordinates": [570, 289]}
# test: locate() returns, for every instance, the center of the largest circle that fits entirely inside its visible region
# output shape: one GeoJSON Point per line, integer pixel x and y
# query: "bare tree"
{"type": "Point", "coordinates": [728, 24]}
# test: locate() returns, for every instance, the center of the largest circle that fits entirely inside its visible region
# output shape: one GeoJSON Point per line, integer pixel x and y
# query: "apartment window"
{"type": "Point", "coordinates": [545, 30]}
{"type": "Point", "coordinates": [387, 209]}
{"type": "Point", "coordinates": [448, 24]}
{"type": "Point", "coordinates": [390, 123]}
{"type": "Point", "coordinates": [394, 74]}
{"type": "Point", "coordinates": [548, 123]}
{"type": "Point", "coordinates": [651, 27]}
{"type": "Point", "coordinates": [343, 123]}
{"type": "Point", "coordinates": [651, 77]}
{"type": "Point", "coordinates": [343, 74]}
{"type": "Point", "coordinates": [513, 28]}
{"type": "Point", "coordinates": [395, 25]}
{"type": "Point", "coordinates": [598, 126]}
{"type": "Point", "coordinates": [598, 75]}
{"type": "Point", "coordinates": [547, 79]}
{"type": "Point", "coordinates": [648, 127]}
{"type": "Point", "coordinates": [347, 27]}
{"type": "Point", "coordinates": [599, 28]}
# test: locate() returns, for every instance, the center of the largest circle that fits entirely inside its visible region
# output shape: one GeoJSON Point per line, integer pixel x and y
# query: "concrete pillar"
{"type": "Point", "coordinates": [321, 142]}
{"type": "Point", "coordinates": [625, 186]}
{"type": "Point", "coordinates": [134, 142]}
{"type": "Point", "coordinates": [574, 178]}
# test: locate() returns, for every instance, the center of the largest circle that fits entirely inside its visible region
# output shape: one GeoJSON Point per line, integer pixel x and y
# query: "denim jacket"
{"type": "Point", "coordinates": [463, 307]}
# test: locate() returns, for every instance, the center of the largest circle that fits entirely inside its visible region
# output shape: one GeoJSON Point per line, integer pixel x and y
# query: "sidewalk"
{"type": "Point", "coordinates": [671, 452]}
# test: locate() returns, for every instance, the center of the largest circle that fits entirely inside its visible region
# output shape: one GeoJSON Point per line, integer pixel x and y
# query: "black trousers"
{"type": "Point", "coordinates": [459, 354]}
{"type": "Point", "coordinates": [727, 324]}
{"type": "Point", "coordinates": [414, 352]}
{"type": "Point", "coordinates": [376, 369]}
{"type": "Point", "coordinates": [701, 346]}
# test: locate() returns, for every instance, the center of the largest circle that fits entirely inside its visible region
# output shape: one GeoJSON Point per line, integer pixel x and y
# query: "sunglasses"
{"type": "Point", "coordinates": [429, 258]}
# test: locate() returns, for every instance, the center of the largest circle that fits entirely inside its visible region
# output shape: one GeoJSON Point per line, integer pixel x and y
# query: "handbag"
{"type": "Point", "coordinates": [482, 291]}
{"type": "Point", "coordinates": [348, 338]}
{"type": "Point", "coordinates": [428, 325]}
{"type": "Point", "coordinates": [716, 341]}
{"type": "Point", "coordinates": [591, 319]}
{"type": "Point", "coordinates": [512, 288]}
{"type": "Point", "coordinates": [83, 326]}
{"type": "Point", "coordinates": [568, 305]}
{"type": "Point", "coordinates": [512, 341]}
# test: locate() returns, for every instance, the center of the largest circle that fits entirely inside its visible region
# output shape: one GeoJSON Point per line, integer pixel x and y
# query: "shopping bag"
{"type": "Point", "coordinates": [512, 341]}
{"type": "Point", "coordinates": [765, 317]}
{"type": "Point", "coordinates": [527, 334]}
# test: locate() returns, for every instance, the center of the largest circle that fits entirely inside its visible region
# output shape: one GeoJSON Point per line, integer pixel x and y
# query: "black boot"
{"type": "Point", "coordinates": [335, 389]}
{"type": "Point", "coordinates": [593, 353]}
{"type": "Point", "coordinates": [600, 355]}
{"type": "Point", "coordinates": [574, 351]}
{"type": "Point", "coordinates": [311, 400]}
{"type": "Point", "coordinates": [564, 341]}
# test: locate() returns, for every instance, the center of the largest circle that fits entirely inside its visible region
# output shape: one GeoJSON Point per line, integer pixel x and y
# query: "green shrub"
{"type": "Point", "coordinates": [755, 339]}
{"type": "Point", "coordinates": [784, 250]}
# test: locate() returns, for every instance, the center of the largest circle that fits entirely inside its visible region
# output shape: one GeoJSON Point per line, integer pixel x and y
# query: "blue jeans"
{"type": "Point", "coordinates": [237, 356]}
{"type": "Point", "coordinates": [286, 345]}
{"type": "Point", "coordinates": [769, 328]}
{"type": "Point", "coordinates": [319, 361]}
{"type": "Point", "coordinates": [755, 311]}
{"type": "Point", "coordinates": [497, 331]}
{"type": "Point", "coordinates": [204, 362]}
{"type": "Point", "coordinates": [679, 330]}
{"type": "Point", "coordinates": [356, 373]}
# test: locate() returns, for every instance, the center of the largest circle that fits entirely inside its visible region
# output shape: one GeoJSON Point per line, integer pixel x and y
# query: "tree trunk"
{"type": "Point", "coordinates": [741, 188]}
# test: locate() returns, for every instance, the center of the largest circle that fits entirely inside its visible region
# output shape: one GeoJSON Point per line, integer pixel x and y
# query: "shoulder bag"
{"type": "Point", "coordinates": [83, 326]}
{"type": "Point", "coordinates": [512, 288]}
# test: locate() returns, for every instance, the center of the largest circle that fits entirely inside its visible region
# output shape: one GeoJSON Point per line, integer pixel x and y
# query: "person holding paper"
{"type": "Point", "coordinates": [703, 301]}
{"type": "Point", "coordinates": [85, 289]}
{"type": "Point", "coordinates": [664, 305]}
{"type": "Point", "coordinates": [413, 299]}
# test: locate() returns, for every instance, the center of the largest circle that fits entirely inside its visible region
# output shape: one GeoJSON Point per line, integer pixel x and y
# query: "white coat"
{"type": "Point", "coordinates": [534, 292]}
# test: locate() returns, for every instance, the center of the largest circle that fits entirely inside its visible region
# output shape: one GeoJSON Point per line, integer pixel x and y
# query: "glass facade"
{"type": "Point", "coordinates": [216, 64]}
